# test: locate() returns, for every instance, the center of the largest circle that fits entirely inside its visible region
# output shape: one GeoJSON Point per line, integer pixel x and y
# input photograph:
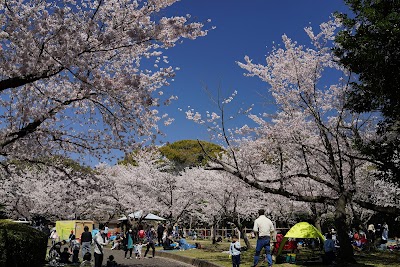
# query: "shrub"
{"type": "Point", "coordinates": [21, 245]}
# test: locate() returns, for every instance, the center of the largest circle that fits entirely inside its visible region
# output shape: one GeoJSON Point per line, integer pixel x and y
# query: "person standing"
{"type": "Point", "coordinates": [86, 241]}
{"type": "Point", "coordinates": [150, 235]}
{"type": "Point", "coordinates": [138, 250]}
{"type": "Point", "coordinates": [99, 241]}
{"type": "Point", "coordinates": [329, 249]}
{"type": "Point", "coordinates": [263, 227]}
{"type": "Point", "coordinates": [70, 238]}
{"type": "Point", "coordinates": [371, 236]}
{"type": "Point", "coordinates": [75, 246]}
{"type": "Point", "coordinates": [106, 230]}
{"type": "Point", "coordinates": [160, 231]}
{"type": "Point", "coordinates": [385, 233]}
{"type": "Point", "coordinates": [234, 251]}
{"type": "Point", "coordinates": [54, 237]}
{"type": "Point", "coordinates": [128, 243]}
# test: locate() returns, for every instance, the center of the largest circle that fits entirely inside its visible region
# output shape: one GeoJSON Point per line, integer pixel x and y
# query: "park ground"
{"type": "Point", "coordinates": [216, 254]}
{"type": "Point", "coordinates": [213, 253]}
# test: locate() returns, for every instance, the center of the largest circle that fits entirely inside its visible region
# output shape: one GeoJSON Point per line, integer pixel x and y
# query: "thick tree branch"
{"type": "Point", "coordinates": [15, 82]}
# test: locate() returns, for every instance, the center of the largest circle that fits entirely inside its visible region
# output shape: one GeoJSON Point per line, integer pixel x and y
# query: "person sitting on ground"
{"type": "Point", "coordinates": [111, 262]}
{"type": "Point", "coordinates": [164, 236]}
{"type": "Point", "coordinates": [86, 260]}
{"type": "Point", "coordinates": [183, 244]}
{"type": "Point", "coordinates": [117, 242]}
{"type": "Point", "coordinates": [356, 235]}
{"type": "Point", "coordinates": [169, 243]}
{"type": "Point", "coordinates": [55, 250]}
{"type": "Point", "coordinates": [64, 256]}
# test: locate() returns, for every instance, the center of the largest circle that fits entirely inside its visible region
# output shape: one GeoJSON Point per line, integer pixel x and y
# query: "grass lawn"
{"type": "Point", "coordinates": [213, 253]}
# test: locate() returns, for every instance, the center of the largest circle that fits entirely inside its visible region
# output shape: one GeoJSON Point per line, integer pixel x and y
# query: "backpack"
{"type": "Point", "coordinates": [141, 233]}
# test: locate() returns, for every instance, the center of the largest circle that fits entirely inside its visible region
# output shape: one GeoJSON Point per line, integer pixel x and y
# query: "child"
{"type": "Point", "coordinates": [86, 260]}
{"type": "Point", "coordinates": [111, 262]}
{"type": "Point", "coordinates": [234, 251]}
{"type": "Point", "coordinates": [138, 250]}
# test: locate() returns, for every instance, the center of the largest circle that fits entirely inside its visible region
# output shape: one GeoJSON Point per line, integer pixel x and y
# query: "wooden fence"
{"type": "Point", "coordinates": [206, 233]}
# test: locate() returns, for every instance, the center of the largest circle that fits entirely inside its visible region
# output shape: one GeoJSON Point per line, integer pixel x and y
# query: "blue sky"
{"type": "Point", "coordinates": [243, 27]}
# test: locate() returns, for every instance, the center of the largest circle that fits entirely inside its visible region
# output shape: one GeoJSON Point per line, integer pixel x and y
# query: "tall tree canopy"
{"type": "Point", "coordinates": [189, 153]}
{"type": "Point", "coordinates": [369, 46]}
{"type": "Point", "coordinates": [84, 76]}
{"type": "Point", "coordinates": [305, 151]}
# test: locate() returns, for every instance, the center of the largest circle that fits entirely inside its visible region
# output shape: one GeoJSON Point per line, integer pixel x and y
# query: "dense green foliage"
{"type": "Point", "coordinates": [189, 153]}
{"type": "Point", "coordinates": [128, 159]}
{"type": "Point", "coordinates": [369, 46]}
{"type": "Point", "coordinates": [21, 245]}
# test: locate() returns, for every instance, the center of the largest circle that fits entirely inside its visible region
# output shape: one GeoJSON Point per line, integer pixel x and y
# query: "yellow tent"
{"type": "Point", "coordinates": [301, 230]}
{"type": "Point", "coordinates": [64, 228]}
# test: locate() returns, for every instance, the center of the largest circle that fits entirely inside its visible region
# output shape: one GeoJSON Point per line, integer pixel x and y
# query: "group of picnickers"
{"type": "Point", "coordinates": [132, 241]}
{"type": "Point", "coordinates": [61, 253]}
{"type": "Point", "coordinates": [375, 236]}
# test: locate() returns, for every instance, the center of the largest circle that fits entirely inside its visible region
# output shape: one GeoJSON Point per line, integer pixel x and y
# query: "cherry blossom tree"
{"type": "Point", "coordinates": [84, 77]}
{"type": "Point", "coordinates": [150, 185]}
{"type": "Point", "coordinates": [60, 191]}
{"type": "Point", "coordinates": [306, 151]}
{"type": "Point", "coordinates": [229, 200]}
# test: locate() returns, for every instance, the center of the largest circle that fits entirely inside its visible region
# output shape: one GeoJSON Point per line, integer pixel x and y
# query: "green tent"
{"type": "Point", "coordinates": [301, 230]}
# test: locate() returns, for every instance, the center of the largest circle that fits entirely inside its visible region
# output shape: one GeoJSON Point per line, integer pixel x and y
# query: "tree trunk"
{"type": "Point", "coordinates": [346, 250]}
{"type": "Point", "coordinates": [214, 231]}
{"type": "Point", "coordinates": [318, 220]}
{"type": "Point", "coordinates": [244, 236]}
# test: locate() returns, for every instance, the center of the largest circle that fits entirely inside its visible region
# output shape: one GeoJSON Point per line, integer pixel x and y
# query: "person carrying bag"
{"type": "Point", "coordinates": [99, 242]}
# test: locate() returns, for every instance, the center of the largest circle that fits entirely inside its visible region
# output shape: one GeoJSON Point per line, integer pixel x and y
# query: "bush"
{"type": "Point", "coordinates": [21, 245]}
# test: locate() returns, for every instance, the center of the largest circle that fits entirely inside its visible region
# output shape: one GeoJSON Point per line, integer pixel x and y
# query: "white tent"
{"type": "Point", "coordinates": [138, 215]}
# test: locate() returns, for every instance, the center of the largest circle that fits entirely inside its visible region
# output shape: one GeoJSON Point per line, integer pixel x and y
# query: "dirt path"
{"type": "Point", "coordinates": [150, 262]}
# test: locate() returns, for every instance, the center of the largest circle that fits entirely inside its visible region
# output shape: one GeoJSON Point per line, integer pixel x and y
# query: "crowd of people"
{"type": "Point", "coordinates": [373, 237]}
{"type": "Point", "coordinates": [70, 253]}
{"type": "Point", "coordinates": [135, 239]}
{"type": "Point", "coordinates": [132, 241]}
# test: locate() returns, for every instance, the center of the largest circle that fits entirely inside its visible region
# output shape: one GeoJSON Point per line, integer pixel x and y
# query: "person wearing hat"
{"type": "Point", "coordinates": [111, 262]}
